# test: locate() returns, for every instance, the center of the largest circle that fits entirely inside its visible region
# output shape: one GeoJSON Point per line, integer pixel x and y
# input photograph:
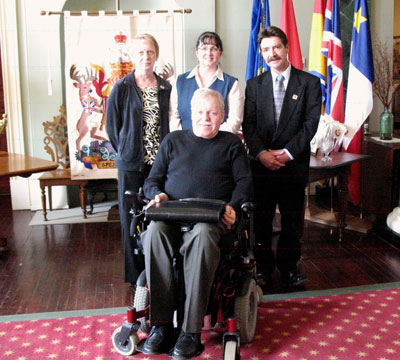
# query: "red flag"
{"type": "Point", "coordinates": [354, 184]}
{"type": "Point", "coordinates": [288, 25]}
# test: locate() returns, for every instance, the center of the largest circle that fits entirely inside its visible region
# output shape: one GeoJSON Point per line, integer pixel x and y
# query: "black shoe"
{"type": "Point", "coordinates": [187, 346]}
{"type": "Point", "coordinates": [159, 341]}
{"type": "Point", "coordinates": [294, 278]}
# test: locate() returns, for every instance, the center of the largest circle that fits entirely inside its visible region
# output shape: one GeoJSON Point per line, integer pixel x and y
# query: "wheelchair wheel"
{"type": "Point", "coordinates": [246, 312]}
{"type": "Point", "coordinates": [230, 350]}
{"type": "Point", "coordinates": [140, 302]}
{"type": "Point", "coordinates": [125, 349]}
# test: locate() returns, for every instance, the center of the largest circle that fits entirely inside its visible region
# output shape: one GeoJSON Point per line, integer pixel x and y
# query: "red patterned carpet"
{"type": "Point", "coordinates": [363, 325]}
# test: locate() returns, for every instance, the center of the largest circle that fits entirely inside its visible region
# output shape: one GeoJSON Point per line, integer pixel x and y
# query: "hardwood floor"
{"type": "Point", "coordinates": [80, 266]}
{"type": "Point", "coordinates": [59, 267]}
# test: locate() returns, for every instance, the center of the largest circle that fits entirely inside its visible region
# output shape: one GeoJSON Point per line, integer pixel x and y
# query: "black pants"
{"type": "Point", "coordinates": [129, 180]}
{"type": "Point", "coordinates": [289, 196]}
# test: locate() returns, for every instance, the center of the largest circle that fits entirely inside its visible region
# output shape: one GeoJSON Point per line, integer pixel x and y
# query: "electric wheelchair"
{"type": "Point", "coordinates": [235, 295]}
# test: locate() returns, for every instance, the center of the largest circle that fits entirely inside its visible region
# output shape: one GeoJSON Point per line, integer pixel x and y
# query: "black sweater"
{"type": "Point", "coordinates": [188, 166]}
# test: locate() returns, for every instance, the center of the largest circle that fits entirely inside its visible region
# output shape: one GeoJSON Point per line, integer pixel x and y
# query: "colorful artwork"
{"type": "Point", "coordinates": [90, 105]}
{"type": "Point", "coordinates": [91, 72]}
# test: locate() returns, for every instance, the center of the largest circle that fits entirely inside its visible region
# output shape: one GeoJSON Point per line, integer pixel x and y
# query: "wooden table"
{"type": "Point", "coordinates": [21, 165]}
{"type": "Point", "coordinates": [339, 167]}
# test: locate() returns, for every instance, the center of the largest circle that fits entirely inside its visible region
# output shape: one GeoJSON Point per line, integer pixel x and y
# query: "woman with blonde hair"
{"type": "Point", "coordinates": [137, 121]}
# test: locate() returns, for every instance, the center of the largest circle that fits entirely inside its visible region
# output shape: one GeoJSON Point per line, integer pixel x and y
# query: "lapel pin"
{"type": "Point", "coordinates": [294, 97]}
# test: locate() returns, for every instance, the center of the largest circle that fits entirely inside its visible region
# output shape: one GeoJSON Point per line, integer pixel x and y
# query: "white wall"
{"type": "Point", "coordinates": [39, 57]}
{"type": "Point", "coordinates": [382, 28]}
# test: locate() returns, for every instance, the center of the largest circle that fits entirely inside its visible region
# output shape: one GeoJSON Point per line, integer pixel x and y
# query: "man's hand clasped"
{"type": "Point", "coordinates": [274, 159]}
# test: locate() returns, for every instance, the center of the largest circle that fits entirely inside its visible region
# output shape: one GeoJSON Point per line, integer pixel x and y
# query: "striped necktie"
{"type": "Point", "coordinates": [279, 94]}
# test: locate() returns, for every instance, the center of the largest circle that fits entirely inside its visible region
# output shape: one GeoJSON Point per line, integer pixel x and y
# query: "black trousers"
{"type": "Point", "coordinates": [130, 180]}
{"type": "Point", "coordinates": [290, 198]}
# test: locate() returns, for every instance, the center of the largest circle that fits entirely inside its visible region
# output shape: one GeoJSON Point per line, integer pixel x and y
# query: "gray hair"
{"type": "Point", "coordinates": [201, 94]}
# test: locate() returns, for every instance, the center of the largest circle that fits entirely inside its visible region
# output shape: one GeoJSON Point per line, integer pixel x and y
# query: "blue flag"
{"type": "Point", "coordinates": [256, 65]}
{"type": "Point", "coordinates": [359, 100]}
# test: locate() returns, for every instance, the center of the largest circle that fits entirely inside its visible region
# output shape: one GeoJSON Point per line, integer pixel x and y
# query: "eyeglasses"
{"type": "Point", "coordinates": [208, 48]}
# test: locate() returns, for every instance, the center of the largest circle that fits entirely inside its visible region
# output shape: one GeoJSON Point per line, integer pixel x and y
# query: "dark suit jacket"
{"type": "Point", "coordinates": [297, 124]}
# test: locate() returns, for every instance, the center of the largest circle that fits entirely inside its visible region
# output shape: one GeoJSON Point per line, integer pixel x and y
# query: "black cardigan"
{"type": "Point", "coordinates": [125, 120]}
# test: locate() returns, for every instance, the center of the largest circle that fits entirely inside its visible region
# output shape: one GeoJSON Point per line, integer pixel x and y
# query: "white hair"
{"type": "Point", "coordinates": [201, 94]}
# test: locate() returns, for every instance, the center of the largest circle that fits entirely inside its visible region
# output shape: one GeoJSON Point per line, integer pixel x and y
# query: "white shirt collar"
{"type": "Point", "coordinates": [218, 74]}
{"type": "Point", "coordinates": [286, 74]}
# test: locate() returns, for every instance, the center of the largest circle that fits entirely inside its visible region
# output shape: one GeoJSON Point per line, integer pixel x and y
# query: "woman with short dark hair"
{"type": "Point", "coordinates": [207, 75]}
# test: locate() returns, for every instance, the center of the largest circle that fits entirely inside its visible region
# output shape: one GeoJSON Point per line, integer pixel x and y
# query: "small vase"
{"type": "Point", "coordinates": [386, 125]}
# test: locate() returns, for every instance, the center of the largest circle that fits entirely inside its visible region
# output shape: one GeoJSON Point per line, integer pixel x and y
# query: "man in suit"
{"type": "Point", "coordinates": [281, 115]}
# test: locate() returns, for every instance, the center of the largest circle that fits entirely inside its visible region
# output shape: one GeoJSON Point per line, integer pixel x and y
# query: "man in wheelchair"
{"type": "Point", "coordinates": [200, 163]}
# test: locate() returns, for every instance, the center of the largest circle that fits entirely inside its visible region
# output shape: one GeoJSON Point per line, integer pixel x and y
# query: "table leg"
{"type": "Point", "coordinates": [342, 193]}
{"type": "Point", "coordinates": [50, 196]}
{"type": "Point", "coordinates": [43, 188]}
{"type": "Point", "coordinates": [82, 194]}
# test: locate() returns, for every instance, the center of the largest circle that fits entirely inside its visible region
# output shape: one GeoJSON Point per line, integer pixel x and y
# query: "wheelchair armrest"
{"type": "Point", "coordinates": [135, 200]}
{"type": "Point", "coordinates": [187, 211]}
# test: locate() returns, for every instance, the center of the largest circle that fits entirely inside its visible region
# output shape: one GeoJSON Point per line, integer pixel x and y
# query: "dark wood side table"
{"type": "Point", "coordinates": [339, 167]}
{"type": "Point", "coordinates": [381, 178]}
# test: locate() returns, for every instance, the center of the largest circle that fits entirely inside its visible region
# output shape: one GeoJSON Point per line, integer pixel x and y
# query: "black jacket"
{"type": "Point", "coordinates": [125, 120]}
{"type": "Point", "coordinates": [298, 121]}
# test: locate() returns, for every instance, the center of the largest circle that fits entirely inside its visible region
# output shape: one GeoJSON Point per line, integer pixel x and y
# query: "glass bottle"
{"type": "Point", "coordinates": [386, 125]}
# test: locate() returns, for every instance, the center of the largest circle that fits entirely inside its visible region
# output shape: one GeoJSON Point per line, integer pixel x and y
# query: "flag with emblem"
{"type": "Point", "coordinates": [359, 98]}
{"type": "Point", "coordinates": [256, 65]}
{"type": "Point", "coordinates": [332, 50]}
